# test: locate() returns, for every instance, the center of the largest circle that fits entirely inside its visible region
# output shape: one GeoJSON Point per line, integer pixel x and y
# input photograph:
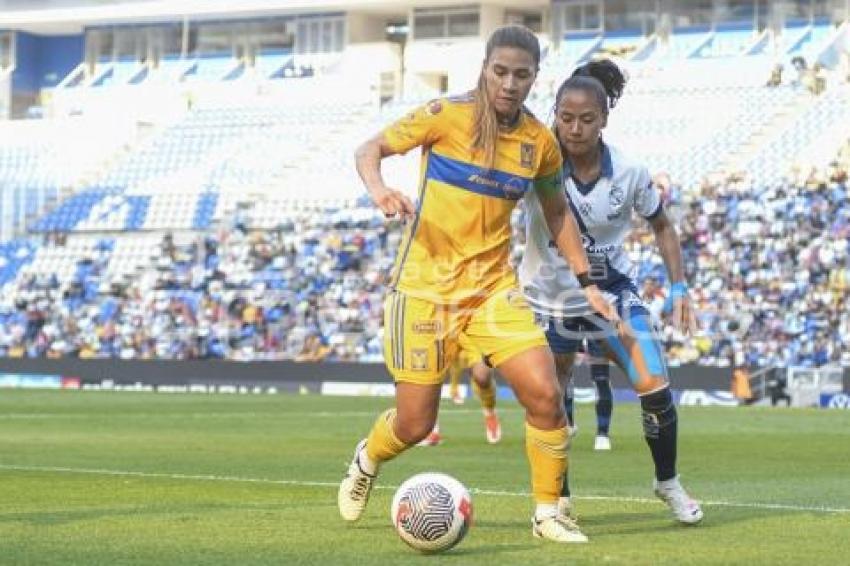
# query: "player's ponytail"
{"type": "Point", "coordinates": [485, 126]}
{"type": "Point", "coordinates": [603, 78]}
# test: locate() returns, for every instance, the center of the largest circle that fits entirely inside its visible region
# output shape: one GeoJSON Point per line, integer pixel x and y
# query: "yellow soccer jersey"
{"type": "Point", "coordinates": [458, 245]}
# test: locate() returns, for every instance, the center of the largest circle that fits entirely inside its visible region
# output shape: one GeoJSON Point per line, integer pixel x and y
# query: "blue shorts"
{"type": "Point", "coordinates": [642, 358]}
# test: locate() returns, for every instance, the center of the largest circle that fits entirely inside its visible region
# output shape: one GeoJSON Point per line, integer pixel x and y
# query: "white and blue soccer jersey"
{"type": "Point", "coordinates": [603, 211]}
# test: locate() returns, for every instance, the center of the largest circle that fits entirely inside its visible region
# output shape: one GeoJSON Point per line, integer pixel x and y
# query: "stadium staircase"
{"type": "Point", "coordinates": [739, 156]}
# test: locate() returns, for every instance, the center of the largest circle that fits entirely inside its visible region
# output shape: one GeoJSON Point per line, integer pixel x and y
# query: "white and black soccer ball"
{"type": "Point", "coordinates": [431, 512]}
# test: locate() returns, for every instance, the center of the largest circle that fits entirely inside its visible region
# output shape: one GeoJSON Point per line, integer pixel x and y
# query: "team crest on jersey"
{"type": "Point", "coordinates": [526, 155]}
{"type": "Point", "coordinates": [617, 197]}
{"type": "Point", "coordinates": [584, 207]}
{"type": "Point", "coordinates": [419, 359]}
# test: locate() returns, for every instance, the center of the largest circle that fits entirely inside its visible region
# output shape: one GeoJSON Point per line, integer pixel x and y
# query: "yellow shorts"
{"type": "Point", "coordinates": [422, 339]}
{"type": "Point", "coordinates": [468, 356]}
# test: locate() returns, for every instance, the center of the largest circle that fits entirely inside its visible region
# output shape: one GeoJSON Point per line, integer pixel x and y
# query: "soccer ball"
{"type": "Point", "coordinates": [431, 512]}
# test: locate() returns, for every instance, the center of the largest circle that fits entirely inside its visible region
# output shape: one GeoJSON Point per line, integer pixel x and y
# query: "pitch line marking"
{"type": "Point", "coordinates": [474, 491]}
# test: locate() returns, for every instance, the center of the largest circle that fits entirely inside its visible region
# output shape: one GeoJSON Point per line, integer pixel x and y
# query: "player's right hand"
{"type": "Point", "coordinates": [393, 202]}
{"type": "Point", "coordinates": [599, 304]}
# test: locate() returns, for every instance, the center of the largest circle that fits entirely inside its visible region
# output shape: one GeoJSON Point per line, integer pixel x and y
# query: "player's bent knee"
{"type": "Point", "coordinates": [547, 402]}
{"type": "Point", "coordinates": [647, 383]}
{"type": "Point", "coordinates": [411, 431]}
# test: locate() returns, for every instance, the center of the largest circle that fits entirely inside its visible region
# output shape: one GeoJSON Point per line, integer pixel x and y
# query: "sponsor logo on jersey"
{"type": "Point", "coordinates": [419, 359]}
{"type": "Point", "coordinates": [615, 216]}
{"type": "Point", "coordinates": [433, 108]}
{"type": "Point", "coordinates": [604, 250]}
{"type": "Point", "coordinates": [514, 188]}
{"type": "Point", "coordinates": [427, 326]}
{"type": "Point", "coordinates": [630, 299]}
{"type": "Point", "coordinates": [526, 155]}
{"type": "Point", "coordinates": [482, 180]}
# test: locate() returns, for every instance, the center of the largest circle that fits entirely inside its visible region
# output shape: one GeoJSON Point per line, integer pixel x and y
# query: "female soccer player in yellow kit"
{"type": "Point", "coordinates": [481, 153]}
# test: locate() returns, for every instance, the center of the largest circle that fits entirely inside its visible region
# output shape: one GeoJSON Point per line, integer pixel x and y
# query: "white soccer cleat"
{"type": "Point", "coordinates": [557, 529]}
{"type": "Point", "coordinates": [685, 509]}
{"type": "Point", "coordinates": [566, 508]}
{"type": "Point", "coordinates": [602, 442]}
{"type": "Point", "coordinates": [355, 488]}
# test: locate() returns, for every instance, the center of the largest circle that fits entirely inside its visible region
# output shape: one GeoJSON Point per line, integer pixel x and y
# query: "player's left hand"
{"type": "Point", "coordinates": [684, 317]}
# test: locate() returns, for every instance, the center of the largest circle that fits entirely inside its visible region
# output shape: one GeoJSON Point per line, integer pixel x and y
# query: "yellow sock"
{"type": "Point", "coordinates": [382, 443]}
{"type": "Point", "coordinates": [486, 394]}
{"type": "Point", "coordinates": [455, 373]}
{"type": "Point", "coordinates": [547, 456]}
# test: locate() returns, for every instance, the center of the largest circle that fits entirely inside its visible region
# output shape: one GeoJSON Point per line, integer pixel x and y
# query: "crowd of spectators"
{"type": "Point", "coordinates": [769, 270]}
{"type": "Point", "coordinates": [309, 290]}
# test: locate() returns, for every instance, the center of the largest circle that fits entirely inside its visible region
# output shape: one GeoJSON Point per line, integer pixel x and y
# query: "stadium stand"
{"type": "Point", "coordinates": [234, 228]}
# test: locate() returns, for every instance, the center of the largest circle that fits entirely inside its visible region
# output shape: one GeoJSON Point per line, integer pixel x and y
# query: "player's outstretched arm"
{"type": "Point", "coordinates": [564, 229]}
{"type": "Point", "coordinates": [368, 160]}
{"type": "Point", "coordinates": [684, 317]}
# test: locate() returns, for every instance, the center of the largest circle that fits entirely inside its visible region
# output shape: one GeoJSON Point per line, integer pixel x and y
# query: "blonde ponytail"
{"type": "Point", "coordinates": [485, 125]}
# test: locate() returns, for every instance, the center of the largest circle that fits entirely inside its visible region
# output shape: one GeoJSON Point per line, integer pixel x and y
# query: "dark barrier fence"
{"type": "Point", "coordinates": [290, 375]}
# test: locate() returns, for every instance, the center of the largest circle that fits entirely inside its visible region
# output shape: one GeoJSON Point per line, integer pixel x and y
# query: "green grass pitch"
{"type": "Point", "coordinates": [137, 478]}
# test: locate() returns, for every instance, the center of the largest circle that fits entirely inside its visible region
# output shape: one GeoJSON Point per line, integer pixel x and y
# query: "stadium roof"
{"type": "Point", "coordinates": [71, 16]}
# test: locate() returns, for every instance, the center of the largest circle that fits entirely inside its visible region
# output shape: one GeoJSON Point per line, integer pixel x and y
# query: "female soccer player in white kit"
{"type": "Point", "coordinates": [604, 187]}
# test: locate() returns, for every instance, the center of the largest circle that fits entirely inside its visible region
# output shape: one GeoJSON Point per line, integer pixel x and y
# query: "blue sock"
{"type": "Point", "coordinates": [569, 401]}
{"type": "Point", "coordinates": [604, 399]}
